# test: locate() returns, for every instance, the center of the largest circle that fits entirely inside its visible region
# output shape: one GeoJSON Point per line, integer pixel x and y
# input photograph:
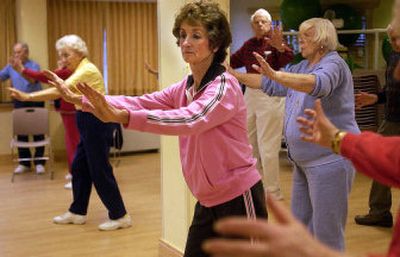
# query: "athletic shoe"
{"type": "Point", "coordinates": [40, 169]}
{"type": "Point", "coordinates": [21, 169]}
{"type": "Point", "coordinates": [68, 185]}
{"type": "Point", "coordinates": [109, 225]}
{"type": "Point", "coordinates": [70, 218]}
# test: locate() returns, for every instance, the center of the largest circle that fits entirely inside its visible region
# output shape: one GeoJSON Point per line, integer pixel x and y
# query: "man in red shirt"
{"type": "Point", "coordinates": [264, 113]}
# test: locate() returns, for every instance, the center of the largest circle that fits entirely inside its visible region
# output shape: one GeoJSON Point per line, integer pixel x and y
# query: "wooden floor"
{"type": "Point", "coordinates": [28, 205]}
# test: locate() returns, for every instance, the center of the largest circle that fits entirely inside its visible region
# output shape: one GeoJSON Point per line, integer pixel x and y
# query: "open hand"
{"type": "Point", "coordinates": [100, 107]}
{"type": "Point", "coordinates": [317, 128]}
{"type": "Point", "coordinates": [64, 90]}
{"type": "Point", "coordinates": [276, 39]}
{"type": "Point", "coordinates": [363, 99]}
{"type": "Point", "coordinates": [263, 67]}
{"type": "Point", "coordinates": [18, 95]}
{"type": "Point", "coordinates": [285, 238]}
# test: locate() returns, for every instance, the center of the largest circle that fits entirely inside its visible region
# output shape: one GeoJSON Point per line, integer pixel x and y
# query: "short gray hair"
{"type": "Point", "coordinates": [325, 33]}
{"type": "Point", "coordinates": [74, 42]}
{"type": "Point", "coordinates": [261, 12]}
{"type": "Point", "coordinates": [23, 45]}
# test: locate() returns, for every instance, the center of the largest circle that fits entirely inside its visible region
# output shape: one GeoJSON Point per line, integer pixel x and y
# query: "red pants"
{"type": "Point", "coordinates": [71, 136]}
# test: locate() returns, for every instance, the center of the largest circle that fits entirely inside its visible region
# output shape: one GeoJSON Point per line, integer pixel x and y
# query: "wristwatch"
{"type": "Point", "coordinates": [337, 140]}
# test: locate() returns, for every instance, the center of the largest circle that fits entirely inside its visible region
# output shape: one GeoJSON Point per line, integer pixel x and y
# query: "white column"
{"type": "Point", "coordinates": [174, 193]}
{"type": "Point", "coordinates": [32, 29]}
{"type": "Point", "coordinates": [177, 202]}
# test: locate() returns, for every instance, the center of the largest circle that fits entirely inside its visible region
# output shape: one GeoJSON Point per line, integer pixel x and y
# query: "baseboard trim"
{"type": "Point", "coordinates": [167, 250]}
{"type": "Point", "coordinates": [4, 158]}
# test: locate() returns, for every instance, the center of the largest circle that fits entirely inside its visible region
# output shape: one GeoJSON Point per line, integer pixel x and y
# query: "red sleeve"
{"type": "Point", "coordinates": [278, 60]}
{"type": "Point", "coordinates": [39, 75]}
{"type": "Point", "coordinates": [36, 75]}
{"type": "Point", "coordinates": [63, 73]}
{"type": "Point", "coordinates": [374, 155]}
{"type": "Point", "coordinates": [236, 60]}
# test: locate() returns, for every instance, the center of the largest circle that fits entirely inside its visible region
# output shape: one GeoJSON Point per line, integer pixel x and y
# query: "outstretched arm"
{"type": "Point", "coordinates": [299, 82]}
{"type": "Point", "coordinates": [216, 105]}
{"type": "Point", "coordinates": [38, 96]}
{"type": "Point", "coordinates": [248, 79]}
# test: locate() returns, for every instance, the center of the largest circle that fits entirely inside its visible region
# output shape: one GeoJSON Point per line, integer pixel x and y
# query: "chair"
{"type": "Point", "coordinates": [368, 117]}
{"type": "Point", "coordinates": [31, 121]}
{"type": "Point", "coordinates": [117, 143]}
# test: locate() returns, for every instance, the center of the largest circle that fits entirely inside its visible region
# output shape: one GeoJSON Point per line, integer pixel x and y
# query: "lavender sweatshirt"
{"type": "Point", "coordinates": [334, 86]}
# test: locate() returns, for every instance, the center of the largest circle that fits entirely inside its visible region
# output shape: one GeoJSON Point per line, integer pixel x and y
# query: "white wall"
{"type": "Point", "coordinates": [177, 202]}
{"type": "Point", "coordinates": [173, 188]}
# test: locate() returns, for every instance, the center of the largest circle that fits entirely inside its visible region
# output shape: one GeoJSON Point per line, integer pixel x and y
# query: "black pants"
{"type": "Point", "coordinates": [204, 218]}
{"type": "Point", "coordinates": [91, 166]}
{"type": "Point", "coordinates": [380, 196]}
{"type": "Point", "coordinates": [26, 152]}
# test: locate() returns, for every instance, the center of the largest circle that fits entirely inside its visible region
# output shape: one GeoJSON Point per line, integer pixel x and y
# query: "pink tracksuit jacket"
{"type": "Point", "coordinates": [216, 156]}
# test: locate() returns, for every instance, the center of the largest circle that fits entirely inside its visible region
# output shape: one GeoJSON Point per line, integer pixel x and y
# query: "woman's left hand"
{"type": "Point", "coordinates": [100, 107]}
{"type": "Point", "coordinates": [264, 67]}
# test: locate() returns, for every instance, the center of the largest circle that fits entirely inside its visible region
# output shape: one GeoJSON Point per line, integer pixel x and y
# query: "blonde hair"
{"type": "Point", "coordinates": [74, 42]}
{"type": "Point", "coordinates": [261, 12]}
{"type": "Point", "coordinates": [325, 34]}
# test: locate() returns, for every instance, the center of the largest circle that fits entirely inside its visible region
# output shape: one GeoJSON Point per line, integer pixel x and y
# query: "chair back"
{"type": "Point", "coordinates": [30, 121]}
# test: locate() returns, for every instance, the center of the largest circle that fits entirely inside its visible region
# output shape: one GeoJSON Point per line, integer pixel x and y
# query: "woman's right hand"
{"type": "Point", "coordinates": [363, 99]}
{"type": "Point", "coordinates": [18, 95]}
{"type": "Point", "coordinates": [316, 127]}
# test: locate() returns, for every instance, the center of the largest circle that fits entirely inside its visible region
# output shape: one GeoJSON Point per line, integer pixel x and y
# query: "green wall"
{"type": "Point", "coordinates": [383, 14]}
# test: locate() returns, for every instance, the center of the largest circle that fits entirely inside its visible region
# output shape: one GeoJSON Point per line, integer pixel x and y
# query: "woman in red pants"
{"type": "Point", "coordinates": [66, 110]}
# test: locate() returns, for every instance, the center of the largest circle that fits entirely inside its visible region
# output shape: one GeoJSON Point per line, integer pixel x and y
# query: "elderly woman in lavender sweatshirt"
{"type": "Point", "coordinates": [321, 179]}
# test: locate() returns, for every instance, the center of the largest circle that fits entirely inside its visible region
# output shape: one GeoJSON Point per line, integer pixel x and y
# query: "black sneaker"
{"type": "Point", "coordinates": [383, 220]}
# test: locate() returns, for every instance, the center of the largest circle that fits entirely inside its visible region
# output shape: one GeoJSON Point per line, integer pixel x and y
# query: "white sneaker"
{"type": "Point", "coordinates": [70, 218]}
{"type": "Point", "coordinates": [68, 185]}
{"type": "Point", "coordinates": [68, 176]}
{"type": "Point", "coordinates": [124, 222]}
{"type": "Point", "coordinates": [40, 169]}
{"type": "Point", "coordinates": [21, 169]}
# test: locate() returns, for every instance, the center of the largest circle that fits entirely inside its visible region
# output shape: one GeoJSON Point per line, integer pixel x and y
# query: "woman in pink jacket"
{"type": "Point", "coordinates": [206, 110]}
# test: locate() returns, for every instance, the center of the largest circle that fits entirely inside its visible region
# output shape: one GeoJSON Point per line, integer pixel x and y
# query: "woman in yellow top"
{"type": "Point", "coordinates": [91, 164]}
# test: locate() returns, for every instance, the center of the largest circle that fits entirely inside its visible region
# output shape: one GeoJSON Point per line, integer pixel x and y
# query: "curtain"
{"type": "Point", "coordinates": [131, 41]}
{"type": "Point", "coordinates": [83, 18]}
{"type": "Point", "coordinates": [131, 33]}
{"type": "Point", "coordinates": [7, 40]}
